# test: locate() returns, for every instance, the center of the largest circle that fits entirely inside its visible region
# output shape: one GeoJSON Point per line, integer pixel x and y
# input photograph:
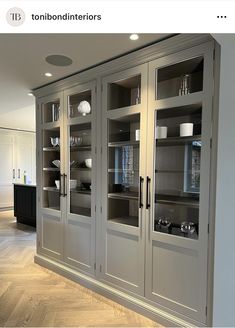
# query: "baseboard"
{"type": "Point", "coordinates": [122, 298]}
{"type": "Point", "coordinates": [7, 208]}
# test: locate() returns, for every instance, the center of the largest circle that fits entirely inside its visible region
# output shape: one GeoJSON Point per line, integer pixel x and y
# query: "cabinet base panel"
{"type": "Point", "coordinates": [137, 305]}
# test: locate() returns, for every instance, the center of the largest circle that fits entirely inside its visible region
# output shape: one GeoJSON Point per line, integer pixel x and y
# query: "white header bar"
{"type": "Point", "coordinates": [118, 16]}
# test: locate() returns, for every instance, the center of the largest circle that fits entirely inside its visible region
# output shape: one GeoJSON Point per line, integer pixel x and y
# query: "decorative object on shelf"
{"type": "Point", "coordinates": [186, 129]}
{"type": "Point", "coordinates": [75, 141]}
{"type": "Point", "coordinates": [55, 141]}
{"type": "Point", "coordinates": [161, 132]}
{"type": "Point", "coordinates": [55, 112]}
{"type": "Point", "coordinates": [71, 110]}
{"type": "Point", "coordinates": [187, 227]}
{"type": "Point", "coordinates": [72, 184]}
{"type": "Point", "coordinates": [84, 108]}
{"type": "Point", "coordinates": [137, 100]}
{"type": "Point", "coordinates": [185, 85]}
{"type": "Point", "coordinates": [163, 225]}
{"type": "Point", "coordinates": [86, 185]}
{"type": "Point", "coordinates": [88, 163]}
{"type": "Point", "coordinates": [137, 135]}
{"type": "Point", "coordinates": [56, 162]}
{"type": "Point", "coordinates": [128, 165]}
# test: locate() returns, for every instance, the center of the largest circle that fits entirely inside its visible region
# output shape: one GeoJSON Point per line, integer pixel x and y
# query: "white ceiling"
{"type": "Point", "coordinates": [22, 65]}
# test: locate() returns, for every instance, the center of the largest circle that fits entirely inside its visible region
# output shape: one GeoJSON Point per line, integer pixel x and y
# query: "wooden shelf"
{"type": "Point", "coordinates": [131, 195]}
{"type": "Point", "coordinates": [80, 148]}
{"type": "Point", "coordinates": [124, 143]}
{"type": "Point", "coordinates": [80, 191]}
{"type": "Point", "coordinates": [84, 211]}
{"type": "Point", "coordinates": [51, 169]}
{"type": "Point", "coordinates": [80, 169]}
{"type": "Point", "coordinates": [51, 149]}
{"type": "Point", "coordinates": [54, 189]}
{"type": "Point", "coordinates": [121, 170]}
{"type": "Point", "coordinates": [127, 220]}
{"type": "Point", "coordinates": [183, 201]}
{"type": "Point", "coordinates": [174, 141]}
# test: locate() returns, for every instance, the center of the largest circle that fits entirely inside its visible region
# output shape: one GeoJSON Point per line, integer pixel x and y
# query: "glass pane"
{"type": "Point", "coordinates": [79, 104]}
{"type": "Point", "coordinates": [80, 169]}
{"type": "Point", "coordinates": [177, 170]}
{"type": "Point", "coordinates": [180, 79]}
{"type": "Point", "coordinates": [51, 111]}
{"type": "Point", "coordinates": [123, 170]}
{"type": "Point", "coordinates": [51, 168]}
{"type": "Point", "coordinates": [124, 93]}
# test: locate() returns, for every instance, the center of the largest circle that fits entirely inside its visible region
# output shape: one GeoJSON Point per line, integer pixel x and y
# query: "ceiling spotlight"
{"type": "Point", "coordinates": [30, 94]}
{"type": "Point", "coordinates": [48, 74]}
{"type": "Point", "coordinates": [134, 37]}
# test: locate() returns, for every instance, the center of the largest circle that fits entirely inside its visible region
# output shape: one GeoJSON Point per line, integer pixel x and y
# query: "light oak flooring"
{"type": "Point", "coordinates": [31, 296]}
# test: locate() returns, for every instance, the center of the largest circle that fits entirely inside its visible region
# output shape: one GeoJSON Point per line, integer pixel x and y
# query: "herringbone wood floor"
{"type": "Point", "coordinates": [35, 297]}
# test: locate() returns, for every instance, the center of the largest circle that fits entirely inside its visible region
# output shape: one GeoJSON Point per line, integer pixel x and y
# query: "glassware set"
{"type": "Point", "coordinates": [55, 141]}
{"type": "Point", "coordinates": [75, 141]}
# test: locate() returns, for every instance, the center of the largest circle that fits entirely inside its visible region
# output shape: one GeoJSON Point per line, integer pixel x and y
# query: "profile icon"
{"type": "Point", "coordinates": [15, 16]}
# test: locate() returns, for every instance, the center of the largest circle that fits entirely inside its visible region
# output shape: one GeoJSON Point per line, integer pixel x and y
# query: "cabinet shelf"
{"type": "Point", "coordinates": [84, 211]}
{"type": "Point", "coordinates": [133, 195]}
{"type": "Point", "coordinates": [121, 170]}
{"type": "Point", "coordinates": [54, 189]}
{"type": "Point", "coordinates": [81, 148]}
{"type": "Point", "coordinates": [183, 201]}
{"type": "Point", "coordinates": [127, 220]}
{"type": "Point", "coordinates": [51, 149]}
{"type": "Point", "coordinates": [80, 191]}
{"type": "Point", "coordinates": [51, 169]}
{"type": "Point", "coordinates": [80, 169]}
{"type": "Point", "coordinates": [124, 143]}
{"type": "Point", "coordinates": [174, 141]}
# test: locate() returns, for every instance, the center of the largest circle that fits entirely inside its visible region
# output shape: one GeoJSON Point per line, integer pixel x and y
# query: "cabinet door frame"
{"type": "Point", "coordinates": [124, 231]}
{"type": "Point", "coordinates": [51, 216]}
{"type": "Point", "coordinates": [71, 218]}
{"type": "Point", "coordinates": [199, 246]}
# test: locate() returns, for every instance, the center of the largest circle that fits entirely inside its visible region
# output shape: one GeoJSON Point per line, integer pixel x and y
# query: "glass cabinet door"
{"type": "Point", "coordinates": [177, 171]}
{"type": "Point", "coordinates": [123, 170]}
{"type": "Point", "coordinates": [51, 154]}
{"type": "Point", "coordinates": [179, 122]}
{"type": "Point", "coordinates": [80, 152]}
{"type": "Point", "coordinates": [80, 171]}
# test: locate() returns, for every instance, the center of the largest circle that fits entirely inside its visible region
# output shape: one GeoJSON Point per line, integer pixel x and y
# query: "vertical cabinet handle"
{"type": "Point", "coordinates": [140, 192]}
{"type": "Point", "coordinates": [65, 185]}
{"type": "Point", "coordinates": [147, 193]}
{"type": "Point", "coordinates": [18, 173]}
{"type": "Point", "coordinates": [14, 174]}
{"type": "Point", "coordinates": [61, 181]}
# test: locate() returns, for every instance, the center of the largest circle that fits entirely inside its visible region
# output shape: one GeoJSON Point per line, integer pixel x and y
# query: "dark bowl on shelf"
{"type": "Point", "coordinates": [86, 185]}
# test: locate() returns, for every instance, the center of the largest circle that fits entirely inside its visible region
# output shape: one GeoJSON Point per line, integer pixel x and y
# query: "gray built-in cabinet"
{"type": "Point", "coordinates": [123, 178]}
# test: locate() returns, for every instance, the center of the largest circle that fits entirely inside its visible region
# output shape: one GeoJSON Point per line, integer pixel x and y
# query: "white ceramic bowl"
{"type": "Point", "coordinates": [56, 162]}
{"type": "Point", "coordinates": [88, 162]}
{"type": "Point", "coordinates": [73, 184]}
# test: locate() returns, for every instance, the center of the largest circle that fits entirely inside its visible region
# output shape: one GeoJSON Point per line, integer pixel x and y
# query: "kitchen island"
{"type": "Point", "coordinates": [25, 203]}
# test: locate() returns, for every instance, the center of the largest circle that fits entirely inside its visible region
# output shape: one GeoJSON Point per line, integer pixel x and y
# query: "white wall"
{"type": "Point", "coordinates": [224, 265]}
{"type": "Point", "coordinates": [23, 118]}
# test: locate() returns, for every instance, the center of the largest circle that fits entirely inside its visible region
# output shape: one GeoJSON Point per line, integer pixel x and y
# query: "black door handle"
{"type": "Point", "coordinates": [140, 192]}
{"type": "Point", "coordinates": [147, 192]}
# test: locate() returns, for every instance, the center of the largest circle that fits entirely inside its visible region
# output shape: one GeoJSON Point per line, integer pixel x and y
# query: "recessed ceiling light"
{"type": "Point", "coordinates": [30, 94]}
{"type": "Point", "coordinates": [134, 37]}
{"type": "Point", "coordinates": [48, 74]}
{"type": "Point", "coordinates": [59, 60]}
